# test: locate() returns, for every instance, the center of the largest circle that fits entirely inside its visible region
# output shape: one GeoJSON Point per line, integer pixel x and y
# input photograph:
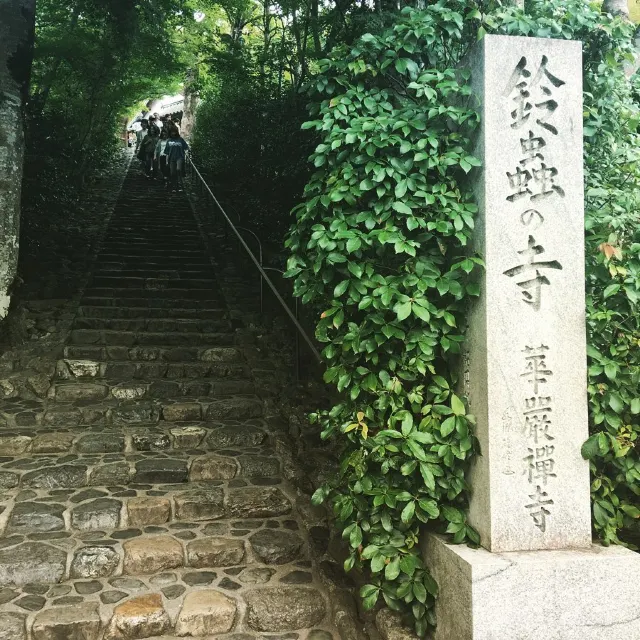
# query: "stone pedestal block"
{"type": "Point", "coordinates": [571, 594]}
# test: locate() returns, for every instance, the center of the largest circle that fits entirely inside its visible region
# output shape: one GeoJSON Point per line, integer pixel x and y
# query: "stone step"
{"type": "Point", "coordinates": [75, 471]}
{"type": "Point", "coordinates": [152, 524]}
{"type": "Point", "coordinates": [153, 284]}
{"type": "Point", "coordinates": [165, 296]}
{"type": "Point", "coordinates": [167, 236]}
{"type": "Point", "coordinates": [155, 273]}
{"type": "Point", "coordinates": [153, 353]}
{"type": "Point", "coordinates": [153, 303]}
{"type": "Point", "coordinates": [131, 412]}
{"type": "Point", "coordinates": [118, 507]}
{"type": "Point", "coordinates": [225, 582]}
{"type": "Point", "coordinates": [149, 338]}
{"type": "Point", "coordinates": [148, 250]}
{"type": "Point", "coordinates": [88, 311]}
{"type": "Point", "coordinates": [69, 369]}
{"type": "Point", "coordinates": [155, 325]}
{"type": "Point", "coordinates": [149, 262]}
{"type": "Point", "coordinates": [165, 436]}
{"type": "Point", "coordinates": [90, 389]}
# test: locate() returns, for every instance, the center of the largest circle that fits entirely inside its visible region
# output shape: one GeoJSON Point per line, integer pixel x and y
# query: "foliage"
{"type": "Point", "coordinates": [251, 64]}
{"type": "Point", "coordinates": [380, 244]}
{"type": "Point", "coordinates": [93, 60]}
{"type": "Point", "coordinates": [379, 248]}
{"type": "Point", "coordinates": [261, 175]}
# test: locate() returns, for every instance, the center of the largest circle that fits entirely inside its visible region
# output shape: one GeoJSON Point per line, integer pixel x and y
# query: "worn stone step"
{"type": "Point", "coordinates": [93, 389]}
{"type": "Point", "coordinates": [155, 325]}
{"type": "Point", "coordinates": [153, 303]}
{"type": "Point", "coordinates": [154, 284]}
{"type": "Point", "coordinates": [152, 528]}
{"type": "Point", "coordinates": [147, 250]}
{"type": "Point", "coordinates": [165, 295]}
{"type": "Point", "coordinates": [151, 262]}
{"type": "Point", "coordinates": [148, 338]}
{"type": "Point", "coordinates": [87, 311]}
{"type": "Point", "coordinates": [215, 354]}
{"type": "Point", "coordinates": [130, 412]}
{"type": "Point", "coordinates": [111, 468]}
{"type": "Point", "coordinates": [118, 507]}
{"type": "Point", "coordinates": [172, 237]}
{"type": "Point", "coordinates": [214, 586]}
{"type": "Point", "coordinates": [164, 436]}
{"type": "Point", "coordinates": [69, 369]}
{"type": "Point", "coordinates": [154, 273]}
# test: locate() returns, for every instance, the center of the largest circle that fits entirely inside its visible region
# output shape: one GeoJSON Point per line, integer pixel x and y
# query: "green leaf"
{"type": "Point", "coordinates": [457, 405]}
{"type": "Point", "coordinates": [408, 512]}
{"type": "Point", "coordinates": [403, 310]}
{"type": "Point", "coordinates": [401, 207]}
{"type": "Point", "coordinates": [419, 592]}
{"type": "Point", "coordinates": [341, 288]}
{"type": "Point", "coordinates": [590, 448]}
{"type": "Point", "coordinates": [612, 289]}
{"type": "Point", "coordinates": [427, 476]}
{"type": "Point", "coordinates": [448, 426]}
{"type": "Point", "coordinates": [392, 570]}
{"type": "Point", "coordinates": [421, 312]}
{"type": "Point", "coordinates": [615, 402]}
{"type": "Point", "coordinates": [377, 563]}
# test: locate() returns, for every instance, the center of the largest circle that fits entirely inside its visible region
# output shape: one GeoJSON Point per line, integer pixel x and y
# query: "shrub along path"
{"type": "Point", "coordinates": [144, 497]}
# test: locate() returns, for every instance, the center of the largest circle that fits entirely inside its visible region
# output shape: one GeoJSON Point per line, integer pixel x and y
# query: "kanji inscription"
{"type": "Point", "coordinates": [537, 409]}
{"type": "Point", "coordinates": [528, 273]}
{"type": "Point", "coordinates": [535, 180]}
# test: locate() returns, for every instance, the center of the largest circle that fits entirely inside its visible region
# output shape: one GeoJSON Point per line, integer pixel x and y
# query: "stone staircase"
{"type": "Point", "coordinates": [145, 497]}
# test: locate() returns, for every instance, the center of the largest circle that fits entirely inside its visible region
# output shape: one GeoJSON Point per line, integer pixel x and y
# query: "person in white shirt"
{"type": "Point", "coordinates": [160, 157]}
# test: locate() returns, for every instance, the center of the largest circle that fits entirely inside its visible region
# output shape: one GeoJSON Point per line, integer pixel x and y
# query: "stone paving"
{"type": "Point", "coordinates": [142, 492]}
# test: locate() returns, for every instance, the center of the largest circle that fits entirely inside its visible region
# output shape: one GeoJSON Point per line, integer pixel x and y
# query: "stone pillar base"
{"type": "Point", "coordinates": [582, 594]}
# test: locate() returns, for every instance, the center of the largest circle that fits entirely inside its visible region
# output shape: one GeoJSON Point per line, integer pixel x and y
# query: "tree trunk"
{"type": "Point", "coordinates": [315, 27]}
{"type": "Point", "coordinates": [17, 25]}
{"type": "Point", "coordinates": [190, 103]}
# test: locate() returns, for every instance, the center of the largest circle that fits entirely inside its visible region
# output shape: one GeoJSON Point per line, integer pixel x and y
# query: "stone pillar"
{"type": "Point", "coordinates": [525, 372]}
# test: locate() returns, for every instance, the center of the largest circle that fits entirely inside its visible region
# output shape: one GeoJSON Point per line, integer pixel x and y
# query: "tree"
{"type": "Point", "coordinates": [17, 20]}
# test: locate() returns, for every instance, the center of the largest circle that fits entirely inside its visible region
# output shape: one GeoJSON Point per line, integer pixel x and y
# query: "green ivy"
{"type": "Point", "coordinates": [380, 249]}
{"type": "Point", "coordinates": [380, 246]}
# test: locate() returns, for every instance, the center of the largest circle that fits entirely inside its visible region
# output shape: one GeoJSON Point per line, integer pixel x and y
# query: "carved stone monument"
{"type": "Point", "coordinates": [538, 575]}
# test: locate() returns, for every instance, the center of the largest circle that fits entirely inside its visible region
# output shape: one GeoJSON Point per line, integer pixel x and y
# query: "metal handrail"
{"type": "Point", "coordinates": [258, 265]}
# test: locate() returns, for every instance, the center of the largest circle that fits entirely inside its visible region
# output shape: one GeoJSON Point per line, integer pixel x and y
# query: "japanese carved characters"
{"type": "Point", "coordinates": [534, 181]}
{"type": "Point", "coordinates": [537, 408]}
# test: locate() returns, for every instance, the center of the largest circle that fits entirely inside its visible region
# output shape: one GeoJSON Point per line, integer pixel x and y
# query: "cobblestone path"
{"type": "Point", "coordinates": [144, 498]}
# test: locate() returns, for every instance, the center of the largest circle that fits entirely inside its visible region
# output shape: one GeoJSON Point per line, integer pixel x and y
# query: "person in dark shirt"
{"type": "Point", "coordinates": [175, 150]}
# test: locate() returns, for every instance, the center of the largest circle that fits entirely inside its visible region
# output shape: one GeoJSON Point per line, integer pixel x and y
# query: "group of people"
{"type": "Point", "coordinates": [162, 150]}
